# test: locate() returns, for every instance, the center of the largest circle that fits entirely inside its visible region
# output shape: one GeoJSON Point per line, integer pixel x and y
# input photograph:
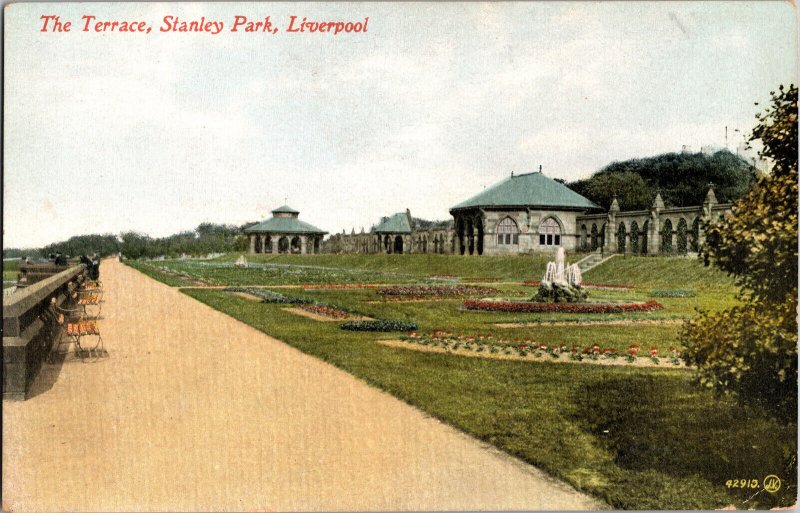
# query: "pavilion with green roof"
{"type": "Point", "coordinates": [284, 233]}
{"type": "Point", "coordinates": [393, 232]}
{"type": "Point", "coordinates": [523, 213]}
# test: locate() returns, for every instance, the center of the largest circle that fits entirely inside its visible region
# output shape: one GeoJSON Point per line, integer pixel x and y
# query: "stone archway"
{"type": "Point", "coordinates": [694, 239]}
{"type": "Point", "coordinates": [267, 244]}
{"type": "Point", "coordinates": [666, 237]}
{"type": "Point", "coordinates": [295, 245]}
{"type": "Point", "coordinates": [398, 244]}
{"type": "Point", "coordinates": [283, 244]}
{"type": "Point", "coordinates": [682, 236]}
{"type": "Point", "coordinates": [584, 244]}
{"type": "Point", "coordinates": [645, 236]}
{"type": "Point", "coordinates": [634, 238]}
{"type": "Point", "coordinates": [621, 242]}
{"type": "Point", "coordinates": [595, 244]}
{"type": "Point", "coordinates": [479, 235]}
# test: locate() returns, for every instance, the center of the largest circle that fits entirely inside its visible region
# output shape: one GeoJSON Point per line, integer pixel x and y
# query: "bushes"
{"type": "Point", "coordinates": [379, 326]}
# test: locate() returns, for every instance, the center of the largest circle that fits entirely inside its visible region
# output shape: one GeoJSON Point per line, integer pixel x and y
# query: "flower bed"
{"type": "Point", "coordinates": [672, 293]}
{"type": "Point", "coordinates": [325, 310]}
{"type": "Point", "coordinates": [403, 299]}
{"type": "Point", "coordinates": [379, 326]}
{"type": "Point", "coordinates": [529, 349]}
{"type": "Point", "coordinates": [435, 290]}
{"type": "Point", "coordinates": [337, 286]}
{"type": "Point", "coordinates": [268, 296]}
{"type": "Point", "coordinates": [530, 307]}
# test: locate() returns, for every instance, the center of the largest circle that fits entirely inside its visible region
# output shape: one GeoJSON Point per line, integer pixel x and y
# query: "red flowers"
{"type": "Point", "coordinates": [530, 307]}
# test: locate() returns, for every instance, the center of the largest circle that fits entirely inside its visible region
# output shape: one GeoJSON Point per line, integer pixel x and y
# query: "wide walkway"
{"type": "Point", "coordinates": [195, 411]}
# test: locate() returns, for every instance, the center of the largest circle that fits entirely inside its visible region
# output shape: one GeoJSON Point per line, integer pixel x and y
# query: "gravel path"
{"type": "Point", "coordinates": [195, 411]}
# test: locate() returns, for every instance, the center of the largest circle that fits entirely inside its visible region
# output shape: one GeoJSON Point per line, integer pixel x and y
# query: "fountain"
{"type": "Point", "coordinates": [561, 283]}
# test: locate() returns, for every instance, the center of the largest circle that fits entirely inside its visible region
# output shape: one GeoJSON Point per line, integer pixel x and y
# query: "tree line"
{"type": "Point", "coordinates": [206, 238]}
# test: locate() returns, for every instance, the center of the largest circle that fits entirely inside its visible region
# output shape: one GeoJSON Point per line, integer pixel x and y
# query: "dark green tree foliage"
{"type": "Point", "coordinates": [103, 245]}
{"type": "Point", "coordinates": [682, 178]}
{"type": "Point", "coordinates": [751, 350]}
{"type": "Point", "coordinates": [207, 238]}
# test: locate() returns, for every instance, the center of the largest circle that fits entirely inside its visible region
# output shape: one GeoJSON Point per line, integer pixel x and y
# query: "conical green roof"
{"type": "Point", "coordinates": [284, 225]}
{"type": "Point", "coordinates": [528, 190]}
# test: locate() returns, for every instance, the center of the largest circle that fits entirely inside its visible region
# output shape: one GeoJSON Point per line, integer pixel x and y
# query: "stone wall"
{"type": "Point", "coordinates": [27, 334]}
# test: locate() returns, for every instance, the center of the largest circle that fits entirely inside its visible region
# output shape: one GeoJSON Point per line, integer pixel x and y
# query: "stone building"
{"type": "Point", "coordinates": [533, 213]}
{"type": "Point", "coordinates": [521, 214]}
{"type": "Point", "coordinates": [284, 233]}
{"type": "Point", "coordinates": [660, 230]}
{"type": "Point", "coordinates": [396, 234]}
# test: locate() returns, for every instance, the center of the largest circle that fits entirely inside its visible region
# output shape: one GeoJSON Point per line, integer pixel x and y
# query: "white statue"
{"type": "Point", "coordinates": [241, 262]}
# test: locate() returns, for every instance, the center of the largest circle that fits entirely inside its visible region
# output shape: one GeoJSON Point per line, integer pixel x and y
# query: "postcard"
{"type": "Point", "coordinates": [399, 256]}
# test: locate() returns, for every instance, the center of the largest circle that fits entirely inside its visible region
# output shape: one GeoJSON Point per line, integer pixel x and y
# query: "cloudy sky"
{"type": "Point", "coordinates": [158, 132]}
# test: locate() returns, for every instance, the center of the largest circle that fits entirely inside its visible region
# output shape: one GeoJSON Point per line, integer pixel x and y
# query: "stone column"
{"type": "Point", "coordinates": [275, 239]}
{"type": "Point", "coordinates": [302, 244]}
{"type": "Point", "coordinates": [252, 244]}
{"type": "Point", "coordinates": [654, 235]}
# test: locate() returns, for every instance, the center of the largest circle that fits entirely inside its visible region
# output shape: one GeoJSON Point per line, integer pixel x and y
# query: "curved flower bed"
{"type": "Point", "coordinates": [327, 311]}
{"type": "Point", "coordinates": [435, 290]}
{"type": "Point", "coordinates": [530, 349]}
{"type": "Point", "coordinates": [525, 307]}
{"type": "Point", "coordinates": [379, 326]}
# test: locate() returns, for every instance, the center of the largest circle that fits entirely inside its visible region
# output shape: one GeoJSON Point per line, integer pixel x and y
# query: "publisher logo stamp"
{"type": "Point", "coordinates": [772, 483]}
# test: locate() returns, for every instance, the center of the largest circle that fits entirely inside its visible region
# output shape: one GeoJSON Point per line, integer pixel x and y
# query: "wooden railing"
{"type": "Point", "coordinates": [27, 338]}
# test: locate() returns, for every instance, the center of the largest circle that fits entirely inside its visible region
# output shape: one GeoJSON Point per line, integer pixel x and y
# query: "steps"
{"type": "Point", "coordinates": [593, 260]}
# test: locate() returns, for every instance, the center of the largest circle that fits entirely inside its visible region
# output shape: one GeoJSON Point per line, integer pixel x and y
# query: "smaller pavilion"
{"type": "Point", "coordinates": [284, 233]}
{"type": "Point", "coordinates": [393, 234]}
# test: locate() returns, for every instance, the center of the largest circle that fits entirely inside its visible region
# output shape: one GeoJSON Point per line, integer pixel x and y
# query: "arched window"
{"type": "Point", "coordinates": [621, 233]}
{"type": "Point", "coordinates": [594, 236]}
{"type": "Point", "coordinates": [584, 238]}
{"type": "Point", "coordinates": [507, 232]}
{"type": "Point", "coordinates": [549, 233]}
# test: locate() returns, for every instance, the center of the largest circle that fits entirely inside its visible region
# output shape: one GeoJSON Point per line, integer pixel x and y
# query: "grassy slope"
{"type": "Point", "coordinates": [637, 439]}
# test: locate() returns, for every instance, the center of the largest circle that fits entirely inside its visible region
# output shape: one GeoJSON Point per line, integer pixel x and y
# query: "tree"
{"type": "Point", "coordinates": [682, 178]}
{"type": "Point", "coordinates": [750, 351]}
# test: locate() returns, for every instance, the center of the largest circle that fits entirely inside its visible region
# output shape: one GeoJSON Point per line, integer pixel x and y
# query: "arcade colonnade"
{"type": "Point", "coordinates": [285, 243]}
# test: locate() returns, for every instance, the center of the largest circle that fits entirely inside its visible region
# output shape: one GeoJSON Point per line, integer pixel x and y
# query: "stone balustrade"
{"type": "Point", "coordinates": [27, 337]}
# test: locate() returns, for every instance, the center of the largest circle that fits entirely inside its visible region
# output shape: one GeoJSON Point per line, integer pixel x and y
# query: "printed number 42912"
{"type": "Point", "coordinates": [742, 483]}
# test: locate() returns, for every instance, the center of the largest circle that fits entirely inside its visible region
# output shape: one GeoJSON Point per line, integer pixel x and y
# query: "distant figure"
{"type": "Point", "coordinates": [94, 271]}
{"type": "Point", "coordinates": [60, 259]}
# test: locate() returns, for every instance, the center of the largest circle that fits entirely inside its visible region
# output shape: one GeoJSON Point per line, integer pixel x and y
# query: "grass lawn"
{"type": "Point", "coordinates": [636, 438]}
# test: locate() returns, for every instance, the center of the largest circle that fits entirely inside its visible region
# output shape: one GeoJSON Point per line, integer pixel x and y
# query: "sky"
{"type": "Point", "coordinates": [158, 132]}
